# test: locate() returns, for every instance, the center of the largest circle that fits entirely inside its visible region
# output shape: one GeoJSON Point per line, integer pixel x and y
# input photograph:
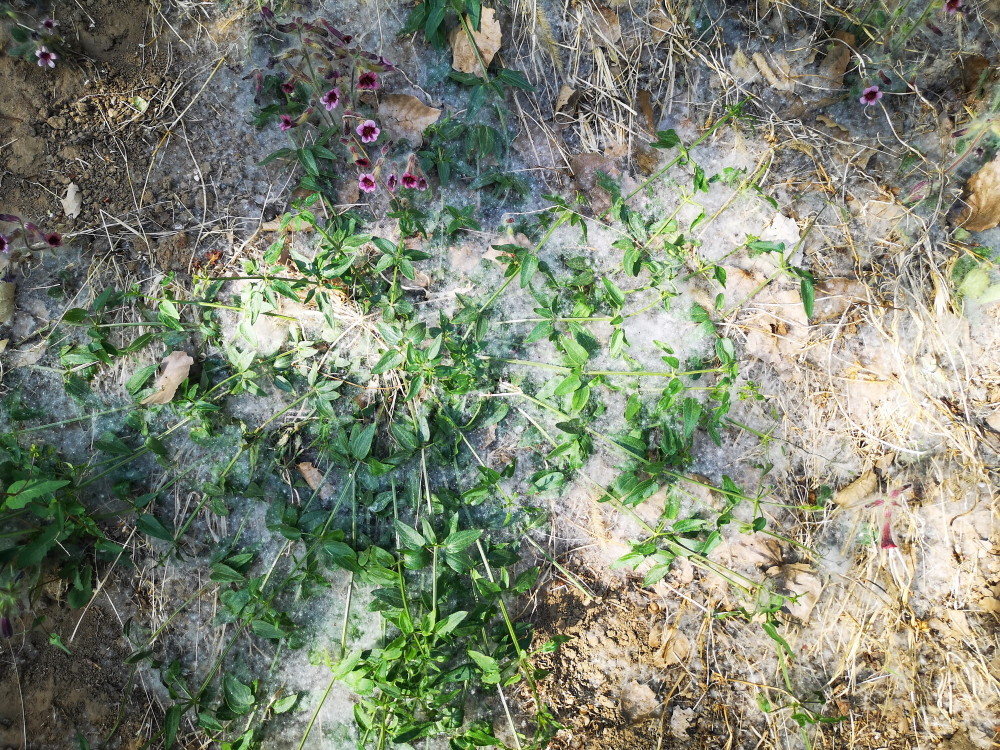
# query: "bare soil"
{"type": "Point", "coordinates": [50, 699]}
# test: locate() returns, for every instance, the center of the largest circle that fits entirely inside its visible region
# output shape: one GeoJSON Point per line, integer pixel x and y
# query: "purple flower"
{"type": "Point", "coordinates": [287, 123]}
{"type": "Point", "coordinates": [330, 99]}
{"type": "Point", "coordinates": [368, 81]}
{"type": "Point", "coordinates": [422, 183]}
{"type": "Point", "coordinates": [362, 162]}
{"type": "Point", "coordinates": [410, 180]}
{"type": "Point", "coordinates": [953, 6]}
{"type": "Point", "coordinates": [288, 87]}
{"type": "Point", "coordinates": [366, 182]}
{"type": "Point", "coordinates": [870, 95]}
{"type": "Point", "coordinates": [368, 130]}
{"type": "Point", "coordinates": [392, 182]}
{"type": "Point", "coordinates": [6, 629]}
{"type": "Point", "coordinates": [49, 24]}
{"type": "Point", "coordinates": [4, 244]}
{"type": "Point", "coordinates": [53, 239]}
{"type": "Point", "coordinates": [45, 57]}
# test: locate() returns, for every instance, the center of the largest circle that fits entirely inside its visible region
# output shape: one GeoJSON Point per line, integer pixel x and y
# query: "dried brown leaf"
{"type": "Point", "coordinates": [314, 478]}
{"type": "Point", "coordinates": [858, 492]}
{"type": "Point", "coordinates": [802, 585]}
{"type": "Point", "coordinates": [566, 103]}
{"type": "Point", "coordinates": [645, 100]}
{"type": "Point", "coordinates": [607, 28]}
{"type": "Point", "coordinates": [176, 367]}
{"type": "Point", "coordinates": [659, 23]}
{"type": "Point", "coordinates": [982, 210]}
{"type": "Point", "coordinates": [6, 301]}
{"type": "Point", "coordinates": [488, 39]}
{"type": "Point", "coordinates": [671, 646]}
{"type": "Point", "coordinates": [835, 63]}
{"type": "Point", "coordinates": [585, 168]}
{"type": "Point", "coordinates": [778, 74]}
{"type": "Point", "coordinates": [742, 67]}
{"type": "Point", "coordinates": [407, 116]}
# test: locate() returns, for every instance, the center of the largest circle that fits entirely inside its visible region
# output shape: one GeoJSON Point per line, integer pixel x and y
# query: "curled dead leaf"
{"type": "Point", "coordinates": [982, 209]}
{"type": "Point", "coordinates": [837, 59]}
{"type": "Point", "coordinates": [407, 116]}
{"type": "Point", "coordinates": [315, 479]}
{"type": "Point", "coordinates": [670, 645]}
{"type": "Point", "coordinates": [742, 67]}
{"type": "Point", "coordinates": [858, 492]}
{"type": "Point", "coordinates": [778, 74]}
{"type": "Point", "coordinates": [835, 127]}
{"type": "Point", "coordinates": [73, 202]}
{"type": "Point", "coordinates": [606, 30]}
{"type": "Point", "coordinates": [803, 587]}
{"type": "Point", "coordinates": [585, 173]}
{"type": "Point", "coordinates": [659, 22]}
{"type": "Point", "coordinates": [6, 302]}
{"type": "Point", "coordinates": [566, 103]}
{"type": "Point", "coordinates": [176, 367]}
{"type": "Point", "coordinates": [638, 701]}
{"type": "Point", "coordinates": [488, 40]}
{"type": "Point", "coordinates": [645, 100]}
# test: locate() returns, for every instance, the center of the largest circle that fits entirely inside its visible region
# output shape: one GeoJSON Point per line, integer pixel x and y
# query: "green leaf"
{"type": "Point", "coordinates": [151, 526]}
{"type": "Point", "coordinates": [139, 378]}
{"type": "Point", "coordinates": [171, 723]}
{"type": "Point", "coordinates": [459, 540]}
{"type": "Point", "coordinates": [699, 181]}
{"type": "Point", "coordinates": [22, 492]}
{"type": "Point", "coordinates": [265, 629]}
{"type": "Point", "coordinates": [449, 623]}
{"type": "Point", "coordinates": [209, 723]}
{"type": "Point", "coordinates": [410, 537]}
{"type": "Point", "coordinates": [526, 580]}
{"type": "Point", "coordinates": [529, 266]}
{"type": "Point", "coordinates": [772, 632]}
{"type": "Point", "coordinates": [615, 295]}
{"type": "Point", "coordinates": [486, 663]}
{"type": "Point", "coordinates": [360, 444]}
{"type": "Point", "coordinates": [390, 360]}
{"type": "Point", "coordinates": [569, 384]}
{"type": "Point", "coordinates": [239, 697]}
{"type": "Point", "coordinates": [225, 574]}
{"type": "Point", "coordinates": [575, 352]}
{"type": "Point", "coordinates": [759, 247]}
{"type": "Point", "coordinates": [580, 398]}
{"type": "Point", "coordinates": [691, 411]}
{"type": "Point", "coordinates": [281, 153]}
{"type": "Point", "coordinates": [514, 78]}
{"type": "Point", "coordinates": [666, 139]}
{"type": "Point", "coordinates": [656, 573]}
{"type": "Point", "coordinates": [540, 331]}
{"type": "Point", "coordinates": [633, 407]}
{"type": "Point", "coordinates": [308, 161]}
{"type": "Point", "coordinates": [283, 705]}
{"type": "Point", "coordinates": [808, 293]}
{"type": "Point", "coordinates": [35, 551]}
